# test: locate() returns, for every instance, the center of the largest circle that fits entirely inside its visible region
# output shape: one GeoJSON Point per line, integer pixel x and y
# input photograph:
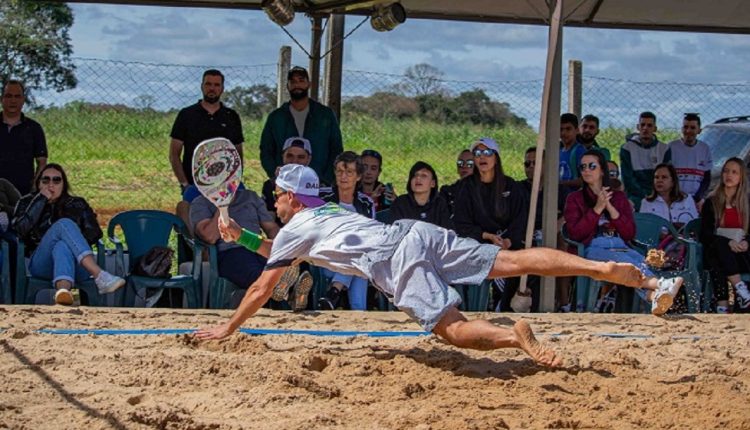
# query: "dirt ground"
{"type": "Point", "coordinates": [683, 372]}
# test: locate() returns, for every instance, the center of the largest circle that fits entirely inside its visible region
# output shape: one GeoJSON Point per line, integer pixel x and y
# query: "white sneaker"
{"type": "Point", "coordinates": [665, 294]}
{"type": "Point", "coordinates": [743, 296]}
{"type": "Point", "coordinates": [63, 296]}
{"type": "Point", "coordinates": [108, 283]}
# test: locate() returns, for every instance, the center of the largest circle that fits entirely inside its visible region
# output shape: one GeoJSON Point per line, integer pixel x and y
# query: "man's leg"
{"type": "Point", "coordinates": [483, 335]}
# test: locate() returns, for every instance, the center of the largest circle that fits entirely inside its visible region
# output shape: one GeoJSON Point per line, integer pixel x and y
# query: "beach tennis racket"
{"type": "Point", "coordinates": [217, 172]}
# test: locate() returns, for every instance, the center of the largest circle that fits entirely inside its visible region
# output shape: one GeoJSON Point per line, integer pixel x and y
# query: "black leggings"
{"type": "Point", "coordinates": [723, 263]}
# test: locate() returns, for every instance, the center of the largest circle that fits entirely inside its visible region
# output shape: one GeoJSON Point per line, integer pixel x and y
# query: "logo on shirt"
{"type": "Point", "coordinates": [329, 209]}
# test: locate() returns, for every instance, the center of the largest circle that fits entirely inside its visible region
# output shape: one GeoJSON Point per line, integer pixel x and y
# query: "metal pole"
{"type": "Point", "coordinates": [317, 34]}
{"type": "Point", "coordinates": [334, 64]}
{"type": "Point", "coordinates": [285, 60]}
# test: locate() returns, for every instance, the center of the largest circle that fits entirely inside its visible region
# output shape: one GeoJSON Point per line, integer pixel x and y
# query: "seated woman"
{"type": "Point", "coordinates": [58, 230]}
{"type": "Point", "coordinates": [602, 220]}
{"type": "Point", "coordinates": [667, 201]}
{"type": "Point", "coordinates": [724, 227]}
{"type": "Point", "coordinates": [422, 200]}
{"type": "Point", "coordinates": [348, 169]}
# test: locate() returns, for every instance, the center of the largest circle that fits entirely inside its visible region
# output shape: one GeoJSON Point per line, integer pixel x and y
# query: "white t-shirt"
{"type": "Point", "coordinates": [691, 163]}
{"type": "Point", "coordinates": [682, 211]}
{"type": "Point", "coordinates": [336, 239]}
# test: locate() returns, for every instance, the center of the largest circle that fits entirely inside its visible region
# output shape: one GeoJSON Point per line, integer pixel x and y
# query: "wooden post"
{"type": "Point", "coordinates": [317, 34]}
{"type": "Point", "coordinates": [334, 64]}
{"type": "Point", "coordinates": [575, 87]}
{"type": "Point", "coordinates": [285, 61]}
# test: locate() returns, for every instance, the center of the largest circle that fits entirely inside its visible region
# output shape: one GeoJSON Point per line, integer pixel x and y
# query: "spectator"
{"type": "Point", "coordinates": [302, 117]}
{"type": "Point", "coordinates": [349, 170]}
{"type": "Point", "coordinates": [206, 119]}
{"type": "Point", "coordinates": [296, 150]}
{"type": "Point", "coordinates": [570, 151]}
{"type": "Point", "coordinates": [639, 156]}
{"type": "Point", "coordinates": [22, 141]}
{"type": "Point", "coordinates": [422, 201]}
{"type": "Point", "coordinates": [724, 228]}
{"type": "Point", "coordinates": [464, 167]}
{"type": "Point", "coordinates": [382, 194]}
{"type": "Point", "coordinates": [492, 207]}
{"type": "Point", "coordinates": [587, 132]}
{"type": "Point", "coordinates": [9, 196]}
{"type": "Point", "coordinates": [614, 176]}
{"type": "Point", "coordinates": [58, 230]}
{"type": "Point", "coordinates": [667, 200]}
{"type": "Point", "coordinates": [562, 295]}
{"type": "Point", "coordinates": [692, 158]}
{"type": "Point", "coordinates": [603, 221]}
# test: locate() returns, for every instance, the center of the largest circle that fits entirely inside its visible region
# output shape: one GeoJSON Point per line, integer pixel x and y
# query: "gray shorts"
{"type": "Point", "coordinates": [427, 261]}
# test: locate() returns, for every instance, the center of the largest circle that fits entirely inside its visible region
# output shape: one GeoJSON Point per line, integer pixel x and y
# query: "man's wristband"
{"type": "Point", "coordinates": [250, 240]}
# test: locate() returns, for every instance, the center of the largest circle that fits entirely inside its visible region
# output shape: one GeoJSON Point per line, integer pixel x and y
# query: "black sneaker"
{"type": "Point", "coordinates": [330, 301]}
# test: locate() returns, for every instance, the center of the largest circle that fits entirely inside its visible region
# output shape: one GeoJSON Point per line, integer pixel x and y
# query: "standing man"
{"type": "Point", "coordinates": [639, 156]}
{"type": "Point", "coordinates": [206, 119]}
{"type": "Point", "coordinates": [587, 132]}
{"type": "Point", "coordinates": [22, 141]}
{"type": "Point", "coordinates": [570, 152]}
{"type": "Point", "coordinates": [302, 117]}
{"type": "Point", "coordinates": [691, 158]}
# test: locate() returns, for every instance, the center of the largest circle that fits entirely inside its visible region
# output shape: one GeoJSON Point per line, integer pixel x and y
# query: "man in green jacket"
{"type": "Point", "coordinates": [303, 117]}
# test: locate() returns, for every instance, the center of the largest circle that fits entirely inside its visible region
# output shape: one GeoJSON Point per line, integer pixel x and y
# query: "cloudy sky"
{"type": "Point", "coordinates": [463, 52]}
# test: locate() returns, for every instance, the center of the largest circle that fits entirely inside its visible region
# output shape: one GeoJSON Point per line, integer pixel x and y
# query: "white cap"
{"type": "Point", "coordinates": [302, 181]}
{"type": "Point", "coordinates": [488, 142]}
{"type": "Point", "coordinates": [299, 142]}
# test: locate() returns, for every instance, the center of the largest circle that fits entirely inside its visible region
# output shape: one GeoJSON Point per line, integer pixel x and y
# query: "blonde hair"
{"type": "Point", "coordinates": [739, 200]}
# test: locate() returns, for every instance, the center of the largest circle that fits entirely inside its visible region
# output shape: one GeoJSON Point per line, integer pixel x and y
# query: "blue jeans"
{"type": "Point", "coordinates": [60, 252]}
{"type": "Point", "coordinates": [605, 248]}
{"type": "Point", "coordinates": [356, 288]}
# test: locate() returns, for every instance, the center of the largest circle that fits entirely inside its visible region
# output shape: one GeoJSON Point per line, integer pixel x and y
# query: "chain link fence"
{"type": "Point", "coordinates": [112, 131]}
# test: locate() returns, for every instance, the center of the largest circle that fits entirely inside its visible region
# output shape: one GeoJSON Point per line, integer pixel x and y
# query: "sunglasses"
{"type": "Point", "coordinates": [465, 163]}
{"type": "Point", "coordinates": [614, 173]}
{"type": "Point", "coordinates": [528, 164]}
{"type": "Point", "coordinates": [278, 194]}
{"type": "Point", "coordinates": [486, 152]}
{"type": "Point", "coordinates": [54, 179]}
{"type": "Point", "coordinates": [589, 166]}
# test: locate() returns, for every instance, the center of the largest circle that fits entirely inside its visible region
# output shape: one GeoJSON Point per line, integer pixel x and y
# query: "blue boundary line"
{"type": "Point", "coordinates": [352, 333]}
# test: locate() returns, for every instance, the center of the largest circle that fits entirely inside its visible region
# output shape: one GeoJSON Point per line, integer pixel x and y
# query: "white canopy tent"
{"type": "Point", "coordinates": [716, 16]}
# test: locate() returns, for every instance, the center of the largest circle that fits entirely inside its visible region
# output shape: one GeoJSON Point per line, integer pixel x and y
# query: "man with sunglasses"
{"type": "Point", "coordinates": [304, 117]}
{"type": "Point", "coordinates": [410, 261]}
{"type": "Point", "coordinates": [22, 140]}
{"type": "Point", "coordinates": [464, 168]}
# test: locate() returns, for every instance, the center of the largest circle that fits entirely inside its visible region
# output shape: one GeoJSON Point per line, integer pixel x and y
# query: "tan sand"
{"type": "Point", "coordinates": [305, 382]}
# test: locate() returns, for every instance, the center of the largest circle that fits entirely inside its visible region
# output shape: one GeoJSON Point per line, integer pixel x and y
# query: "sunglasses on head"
{"type": "Point", "coordinates": [54, 179]}
{"type": "Point", "coordinates": [465, 163]}
{"type": "Point", "coordinates": [529, 163]}
{"type": "Point", "coordinates": [589, 166]}
{"type": "Point", "coordinates": [486, 152]}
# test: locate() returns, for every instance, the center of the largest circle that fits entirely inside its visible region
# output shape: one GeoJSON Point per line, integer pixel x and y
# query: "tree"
{"type": "Point", "coordinates": [35, 44]}
{"type": "Point", "coordinates": [422, 79]}
{"type": "Point", "coordinates": [253, 102]}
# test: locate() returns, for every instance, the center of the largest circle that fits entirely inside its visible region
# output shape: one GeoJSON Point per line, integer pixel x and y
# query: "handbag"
{"type": "Point", "coordinates": [155, 263]}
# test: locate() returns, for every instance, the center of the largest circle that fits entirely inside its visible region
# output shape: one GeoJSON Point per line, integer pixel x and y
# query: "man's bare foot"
{"type": "Point", "coordinates": [531, 346]}
{"type": "Point", "coordinates": [622, 274]}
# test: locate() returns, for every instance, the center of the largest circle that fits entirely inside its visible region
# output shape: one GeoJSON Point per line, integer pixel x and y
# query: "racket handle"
{"type": "Point", "coordinates": [224, 214]}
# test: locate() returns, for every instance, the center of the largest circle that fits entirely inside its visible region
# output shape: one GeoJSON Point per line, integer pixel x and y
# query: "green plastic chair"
{"type": "Point", "coordinates": [649, 228]}
{"type": "Point", "coordinates": [692, 230]}
{"type": "Point", "coordinates": [586, 289]}
{"type": "Point", "coordinates": [28, 287]}
{"type": "Point", "coordinates": [142, 230]}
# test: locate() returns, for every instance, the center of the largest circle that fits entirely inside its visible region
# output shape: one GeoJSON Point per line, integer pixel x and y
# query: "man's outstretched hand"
{"type": "Point", "coordinates": [218, 332]}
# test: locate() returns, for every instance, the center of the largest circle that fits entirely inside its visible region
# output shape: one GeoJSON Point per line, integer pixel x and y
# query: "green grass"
{"type": "Point", "coordinates": [118, 160]}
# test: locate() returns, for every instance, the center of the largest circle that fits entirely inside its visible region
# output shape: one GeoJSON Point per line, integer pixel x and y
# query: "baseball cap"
{"type": "Point", "coordinates": [299, 142]}
{"type": "Point", "coordinates": [299, 70]}
{"type": "Point", "coordinates": [486, 141]}
{"type": "Point", "coordinates": [302, 181]}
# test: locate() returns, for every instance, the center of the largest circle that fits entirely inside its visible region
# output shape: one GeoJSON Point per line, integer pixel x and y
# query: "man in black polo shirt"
{"type": "Point", "coordinates": [22, 140]}
{"type": "Point", "coordinates": [206, 119]}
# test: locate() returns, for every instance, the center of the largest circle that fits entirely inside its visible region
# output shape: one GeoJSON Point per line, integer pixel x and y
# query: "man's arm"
{"type": "Point", "coordinates": [255, 297]}
{"type": "Point", "coordinates": [175, 159]}
{"type": "Point", "coordinates": [268, 149]}
{"type": "Point", "coordinates": [270, 228]}
{"type": "Point", "coordinates": [207, 229]}
{"type": "Point", "coordinates": [41, 163]}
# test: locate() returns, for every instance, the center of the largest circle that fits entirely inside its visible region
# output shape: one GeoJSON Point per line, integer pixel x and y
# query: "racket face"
{"type": "Point", "coordinates": [217, 170]}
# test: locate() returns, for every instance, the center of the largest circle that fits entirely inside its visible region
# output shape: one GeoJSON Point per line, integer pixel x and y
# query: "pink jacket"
{"type": "Point", "coordinates": [582, 222]}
